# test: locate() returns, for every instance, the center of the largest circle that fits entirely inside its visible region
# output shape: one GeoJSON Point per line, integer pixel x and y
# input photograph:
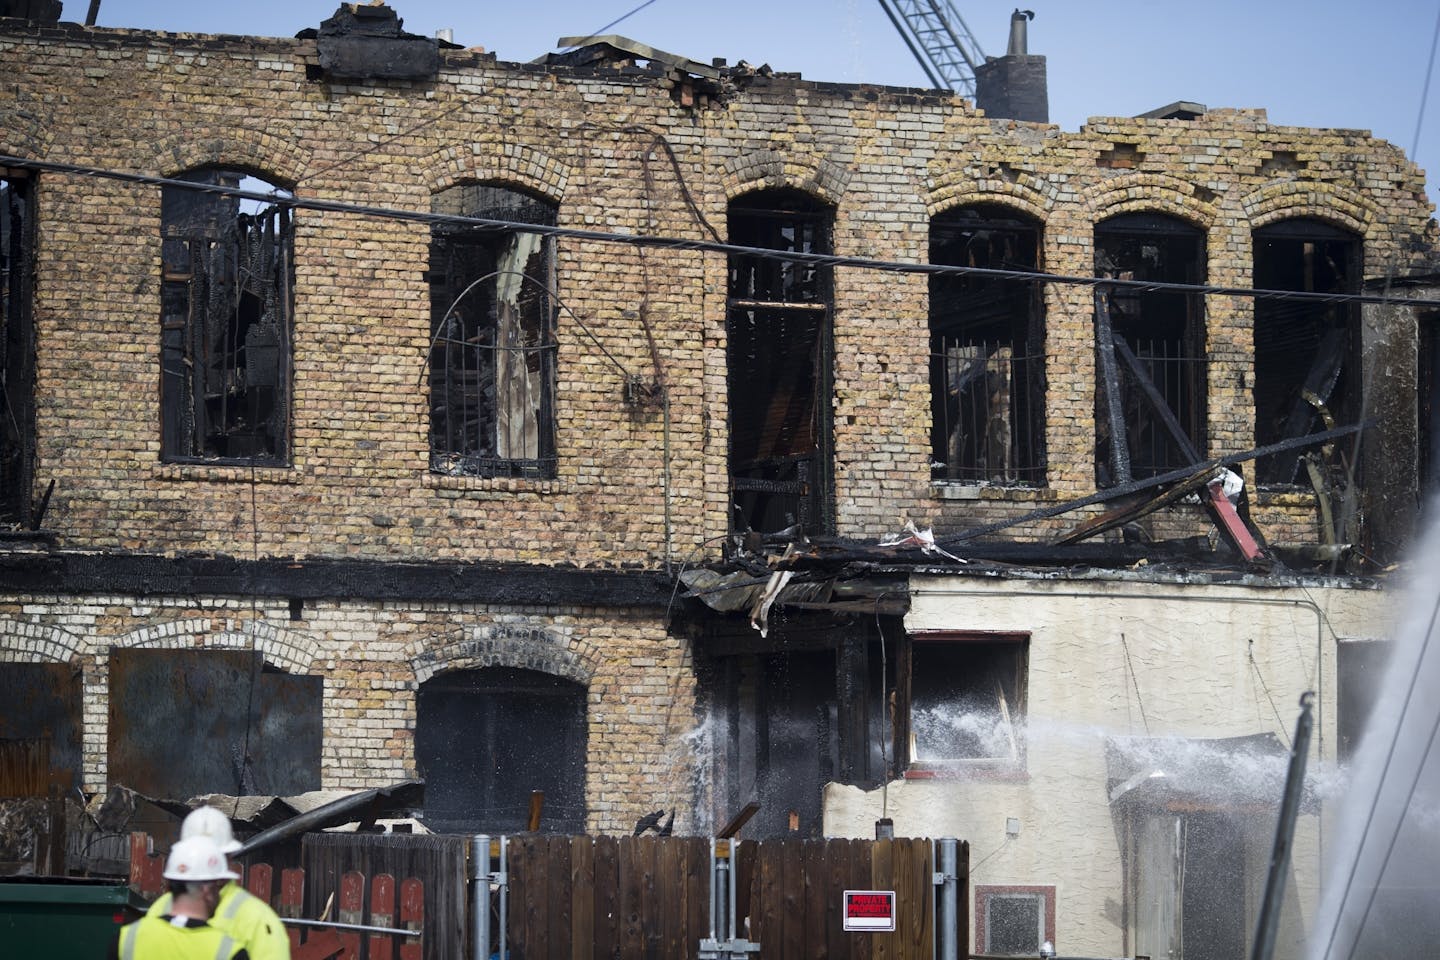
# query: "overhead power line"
{"type": "Point", "coordinates": [710, 246]}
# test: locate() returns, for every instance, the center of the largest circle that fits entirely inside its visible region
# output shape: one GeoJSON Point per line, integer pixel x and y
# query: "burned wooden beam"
{"type": "Point", "coordinates": [1160, 480]}
{"type": "Point", "coordinates": [1110, 376]}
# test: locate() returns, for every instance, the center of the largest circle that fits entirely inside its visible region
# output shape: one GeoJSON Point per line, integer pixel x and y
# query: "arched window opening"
{"type": "Point", "coordinates": [987, 351]}
{"type": "Point", "coordinates": [780, 360]}
{"type": "Point", "coordinates": [486, 740]}
{"type": "Point", "coordinates": [226, 308]}
{"type": "Point", "coordinates": [1150, 346]}
{"type": "Point", "coordinates": [493, 358]}
{"type": "Point", "coordinates": [17, 347]}
{"type": "Point", "coordinates": [1305, 375]}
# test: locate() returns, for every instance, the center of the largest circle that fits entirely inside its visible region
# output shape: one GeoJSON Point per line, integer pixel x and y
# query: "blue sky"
{"type": "Point", "coordinates": [1328, 63]}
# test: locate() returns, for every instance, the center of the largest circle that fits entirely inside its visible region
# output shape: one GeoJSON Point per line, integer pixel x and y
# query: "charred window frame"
{"type": "Point", "coordinates": [1305, 374]}
{"type": "Point", "coordinates": [961, 701]}
{"type": "Point", "coordinates": [226, 317]}
{"type": "Point", "coordinates": [17, 346]}
{"type": "Point", "coordinates": [987, 351]}
{"type": "Point", "coordinates": [1428, 408]}
{"type": "Point", "coordinates": [493, 354]}
{"type": "Point", "coordinates": [779, 360]}
{"type": "Point", "coordinates": [1150, 348]}
{"type": "Point", "coordinates": [486, 739]}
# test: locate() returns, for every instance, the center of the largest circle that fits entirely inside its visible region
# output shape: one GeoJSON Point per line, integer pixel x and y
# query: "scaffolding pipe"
{"type": "Point", "coordinates": [949, 899]}
{"type": "Point", "coordinates": [480, 895]}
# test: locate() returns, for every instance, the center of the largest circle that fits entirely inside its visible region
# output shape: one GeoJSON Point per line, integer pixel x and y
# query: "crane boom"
{"type": "Point", "coordinates": [939, 40]}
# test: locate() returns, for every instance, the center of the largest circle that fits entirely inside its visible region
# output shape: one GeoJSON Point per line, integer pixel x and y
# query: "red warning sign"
{"type": "Point", "coordinates": [872, 910]}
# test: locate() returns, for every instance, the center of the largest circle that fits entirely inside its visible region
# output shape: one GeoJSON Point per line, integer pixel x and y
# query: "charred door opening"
{"type": "Point", "coordinates": [1305, 375]}
{"type": "Point", "coordinates": [783, 740]}
{"type": "Point", "coordinates": [987, 351]}
{"type": "Point", "coordinates": [1427, 370]}
{"type": "Point", "coordinates": [779, 358]}
{"type": "Point", "coordinates": [485, 739]}
{"type": "Point", "coordinates": [493, 353]}
{"type": "Point", "coordinates": [17, 348]}
{"type": "Point", "coordinates": [187, 722]}
{"type": "Point", "coordinates": [225, 323]}
{"type": "Point", "coordinates": [1151, 347]}
{"type": "Point", "coordinates": [39, 723]}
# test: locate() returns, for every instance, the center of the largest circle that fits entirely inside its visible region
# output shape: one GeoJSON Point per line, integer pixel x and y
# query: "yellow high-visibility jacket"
{"type": "Point", "coordinates": [246, 918]}
{"type": "Point", "coordinates": [175, 938]}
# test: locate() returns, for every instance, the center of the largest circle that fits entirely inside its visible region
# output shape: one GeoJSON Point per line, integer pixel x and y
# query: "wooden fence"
{"type": "Point", "coordinates": [573, 898]}
{"type": "Point", "coordinates": [357, 900]}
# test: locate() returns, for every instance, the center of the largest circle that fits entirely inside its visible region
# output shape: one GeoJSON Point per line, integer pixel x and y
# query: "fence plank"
{"type": "Point", "coordinates": [582, 898]}
{"type": "Point", "coordinates": [557, 864]}
{"type": "Point", "coordinates": [837, 869]}
{"type": "Point", "coordinates": [260, 881]}
{"type": "Point", "coordinates": [671, 892]}
{"type": "Point", "coordinates": [607, 898]}
{"type": "Point", "coordinates": [412, 917]}
{"type": "Point", "coordinates": [352, 910]}
{"type": "Point", "coordinates": [770, 877]}
{"type": "Point", "coordinates": [697, 883]}
{"type": "Point", "coordinates": [381, 946]}
{"type": "Point", "coordinates": [861, 945]}
{"type": "Point", "coordinates": [292, 897]}
{"type": "Point", "coordinates": [813, 889]}
{"type": "Point", "coordinates": [792, 896]}
{"type": "Point", "coordinates": [632, 892]}
{"type": "Point", "coordinates": [744, 857]}
{"type": "Point", "coordinates": [882, 877]}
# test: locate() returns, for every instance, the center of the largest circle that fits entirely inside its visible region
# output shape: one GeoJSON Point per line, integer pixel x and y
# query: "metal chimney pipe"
{"type": "Point", "coordinates": [446, 34]}
{"type": "Point", "coordinates": [1019, 33]}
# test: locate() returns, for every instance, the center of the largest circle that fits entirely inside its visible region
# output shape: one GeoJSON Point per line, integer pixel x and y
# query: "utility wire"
{"type": "Point", "coordinates": [707, 246]}
{"type": "Point", "coordinates": [616, 22]}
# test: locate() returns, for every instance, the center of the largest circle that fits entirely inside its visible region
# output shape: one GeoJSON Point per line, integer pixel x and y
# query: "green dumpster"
{"type": "Point", "coordinates": [64, 919]}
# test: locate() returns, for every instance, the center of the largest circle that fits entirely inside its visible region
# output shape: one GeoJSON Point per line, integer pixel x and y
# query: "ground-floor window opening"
{"type": "Point", "coordinates": [40, 728]}
{"type": "Point", "coordinates": [967, 699]}
{"type": "Point", "coordinates": [1014, 920]}
{"type": "Point", "coordinates": [487, 739]}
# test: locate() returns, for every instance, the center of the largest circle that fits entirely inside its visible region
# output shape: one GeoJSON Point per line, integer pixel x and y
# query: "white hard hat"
{"type": "Point", "coordinates": [209, 822]}
{"type": "Point", "coordinates": [198, 858]}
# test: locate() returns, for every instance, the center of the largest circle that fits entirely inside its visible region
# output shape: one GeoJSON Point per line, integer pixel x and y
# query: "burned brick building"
{"type": "Point", "coordinates": [312, 451]}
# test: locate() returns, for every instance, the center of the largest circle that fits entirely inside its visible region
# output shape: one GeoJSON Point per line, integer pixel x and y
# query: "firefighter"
{"type": "Point", "coordinates": [241, 914]}
{"type": "Point", "coordinates": [196, 869]}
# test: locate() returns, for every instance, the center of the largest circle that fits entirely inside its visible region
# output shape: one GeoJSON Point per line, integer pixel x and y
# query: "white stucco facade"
{"type": "Point", "coordinates": [1113, 659]}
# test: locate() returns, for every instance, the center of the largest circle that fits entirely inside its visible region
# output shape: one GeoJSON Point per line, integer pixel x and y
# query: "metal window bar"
{"type": "Point", "coordinates": [1179, 378]}
{"type": "Point", "coordinates": [987, 405]}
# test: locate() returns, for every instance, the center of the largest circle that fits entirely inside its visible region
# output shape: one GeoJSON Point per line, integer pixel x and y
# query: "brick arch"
{"type": "Point", "coordinates": [290, 650]}
{"type": "Point", "coordinates": [496, 161]}
{"type": "Point", "coordinates": [267, 155]}
{"type": "Point", "coordinates": [542, 647]}
{"type": "Point", "coordinates": [769, 169]}
{"type": "Point", "coordinates": [1291, 199]}
{"type": "Point", "coordinates": [25, 642]}
{"type": "Point", "coordinates": [1148, 193]}
{"type": "Point", "coordinates": [1026, 194]}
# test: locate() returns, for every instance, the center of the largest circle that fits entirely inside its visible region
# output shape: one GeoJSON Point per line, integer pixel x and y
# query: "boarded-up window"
{"type": "Point", "coordinates": [485, 740]}
{"type": "Point", "coordinates": [187, 722]}
{"type": "Point", "coordinates": [493, 354]}
{"type": "Point", "coordinates": [225, 323]}
{"type": "Point", "coordinates": [17, 349]}
{"type": "Point", "coordinates": [1151, 347]}
{"type": "Point", "coordinates": [39, 727]}
{"type": "Point", "coordinates": [987, 351]}
{"type": "Point", "coordinates": [1305, 375]}
{"type": "Point", "coordinates": [778, 351]}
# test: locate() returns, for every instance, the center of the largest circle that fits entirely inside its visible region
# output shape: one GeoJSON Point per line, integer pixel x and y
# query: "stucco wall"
{"type": "Point", "coordinates": [1194, 661]}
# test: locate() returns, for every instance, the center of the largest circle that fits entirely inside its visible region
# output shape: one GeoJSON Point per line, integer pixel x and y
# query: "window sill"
{"type": "Point", "coordinates": [990, 771]}
{"type": "Point", "coordinates": [957, 490]}
{"type": "Point", "coordinates": [229, 472]}
{"type": "Point", "coordinates": [499, 485]}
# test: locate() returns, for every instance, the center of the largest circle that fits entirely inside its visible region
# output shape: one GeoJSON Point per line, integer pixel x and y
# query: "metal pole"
{"type": "Point", "coordinates": [714, 890]}
{"type": "Point", "coordinates": [1284, 833]}
{"type": "Point", "coordinates": [949, 898]}
{"type": "Point", "coordinates": [732, 932]}
{"type": "Point", "coordinates": [504, 897]}
{"type": "Point", "coordinates": [480, 895]}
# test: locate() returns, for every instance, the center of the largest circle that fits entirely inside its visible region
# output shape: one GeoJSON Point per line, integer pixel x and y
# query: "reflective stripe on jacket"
{"type": "Point", "coordinates": [156, 938]}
